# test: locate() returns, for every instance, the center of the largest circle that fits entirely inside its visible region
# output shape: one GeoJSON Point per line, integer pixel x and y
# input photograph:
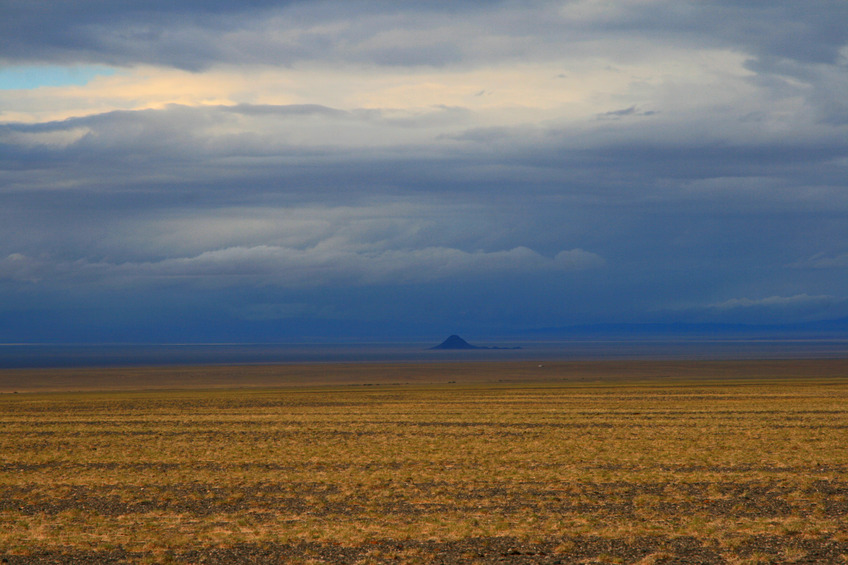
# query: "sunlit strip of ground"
{"type": "Point", "coordinates": [747, 470]}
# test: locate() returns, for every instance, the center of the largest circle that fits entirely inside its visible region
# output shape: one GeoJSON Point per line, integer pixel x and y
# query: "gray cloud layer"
{"type": "Point", "coordinates": [680, 194]}
{"type": "Point", "coordinates": [189, 34]}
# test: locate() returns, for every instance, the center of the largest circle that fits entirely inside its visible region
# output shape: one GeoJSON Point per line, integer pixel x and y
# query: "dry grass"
{"type": "Point", "coordinates": [611, 471]}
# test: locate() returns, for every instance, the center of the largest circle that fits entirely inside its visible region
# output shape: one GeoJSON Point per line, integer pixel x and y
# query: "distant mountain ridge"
{"type": "Point", "coordinates": [820, 329]}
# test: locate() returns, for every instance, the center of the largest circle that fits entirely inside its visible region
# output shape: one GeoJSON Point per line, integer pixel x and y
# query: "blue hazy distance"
{"type": "Point", "coordinates": [49, 356]}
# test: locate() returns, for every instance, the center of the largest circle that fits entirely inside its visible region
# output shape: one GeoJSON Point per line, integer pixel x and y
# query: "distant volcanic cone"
{"type": "Point", "coordinates": [455, 342]}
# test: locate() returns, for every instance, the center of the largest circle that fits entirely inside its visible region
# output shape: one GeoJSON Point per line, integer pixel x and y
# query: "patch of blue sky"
{"type": "Point", "coordinates": [29, 77]}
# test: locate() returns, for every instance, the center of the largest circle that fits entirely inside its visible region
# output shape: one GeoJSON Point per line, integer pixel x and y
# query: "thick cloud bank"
{"type": "Point", "coordinates": [497, 166]}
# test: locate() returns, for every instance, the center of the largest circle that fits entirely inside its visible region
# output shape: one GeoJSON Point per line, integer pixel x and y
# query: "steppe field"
{"type": "Point", "coordinates": [595, 462]}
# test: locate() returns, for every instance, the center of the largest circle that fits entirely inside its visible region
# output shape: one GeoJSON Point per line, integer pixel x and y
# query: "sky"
{"type": "Point", "coordinates": [206, 171]}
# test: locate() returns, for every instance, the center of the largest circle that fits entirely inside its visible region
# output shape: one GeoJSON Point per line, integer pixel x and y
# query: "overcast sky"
{"type": "Point", "coordinates": [249, 171]}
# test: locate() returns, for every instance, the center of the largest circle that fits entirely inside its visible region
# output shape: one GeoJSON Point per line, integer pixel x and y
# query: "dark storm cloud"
{"type": "Point", "coordinates": [651, 152]}
{"type": "Point", "coordinates": [810, 32]}
{"type": "Point", "coordinates": [187, 136]}
{"type": "Point", "coordinates": [172, 161]}
{"type": "Point", "coordinates": [184, 147]}
{"type": "Point", "coordinates": [187, 34]}
{"type": "Point", "coordinates": [195, 35]}
{"type": "Point", "coordinates": [103, 31]}
{"type": "Point", "coordinates": [163, 154]}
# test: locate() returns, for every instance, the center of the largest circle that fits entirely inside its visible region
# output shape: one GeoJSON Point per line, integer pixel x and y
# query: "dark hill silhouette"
{"type": "Point", "coordinates": [456, 342]}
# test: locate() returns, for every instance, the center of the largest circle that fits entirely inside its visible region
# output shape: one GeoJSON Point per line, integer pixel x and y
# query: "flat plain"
{"type": "Point", "coordinates": [596, 462]}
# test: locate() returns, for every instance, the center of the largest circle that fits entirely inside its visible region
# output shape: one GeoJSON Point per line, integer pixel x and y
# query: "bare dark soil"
{"type": "Point", "coordinates": [614, 500]}
{"type": "Point", "coordinates": [492, 550]}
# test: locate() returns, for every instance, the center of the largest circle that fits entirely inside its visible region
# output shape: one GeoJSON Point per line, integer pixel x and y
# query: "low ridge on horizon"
{"type": "Point", "coordinates": [455, 342]}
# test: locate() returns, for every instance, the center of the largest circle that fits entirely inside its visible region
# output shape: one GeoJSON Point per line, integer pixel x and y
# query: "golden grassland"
{"type": "Point", "coordinates": [512, 463]}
